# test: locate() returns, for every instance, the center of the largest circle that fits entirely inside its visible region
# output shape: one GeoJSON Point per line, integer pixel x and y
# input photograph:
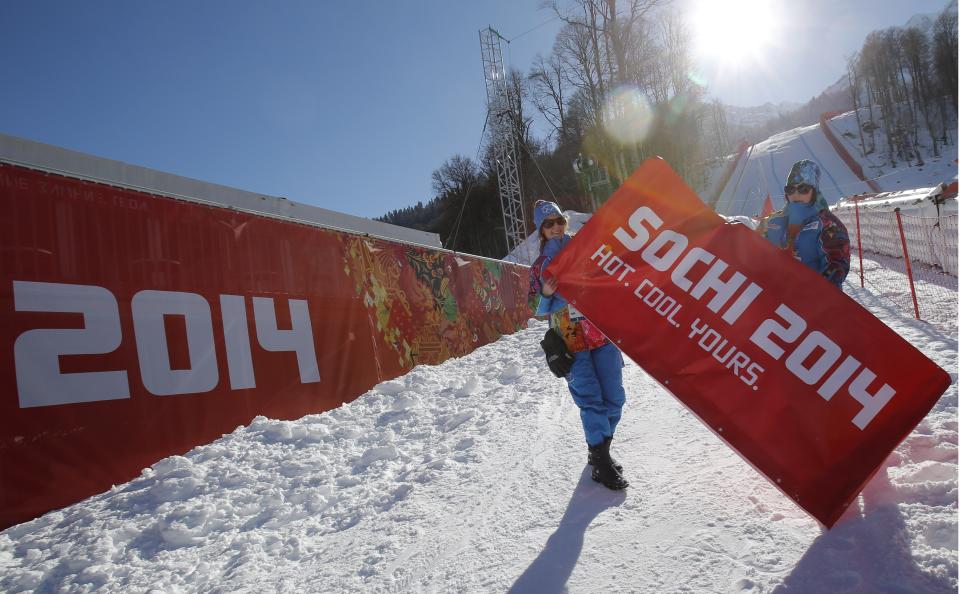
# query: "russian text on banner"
{"type": "Point", "coordinates": [805, 384]}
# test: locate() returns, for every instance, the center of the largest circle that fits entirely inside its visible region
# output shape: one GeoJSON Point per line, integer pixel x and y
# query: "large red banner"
{"type": "Point", "coordinates": [809, 387]}
{"type": "Point", "coordinates": [135, 326]}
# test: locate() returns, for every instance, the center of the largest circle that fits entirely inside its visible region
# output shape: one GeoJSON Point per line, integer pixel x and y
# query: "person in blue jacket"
{"type": "Point", "coordinates": [595, 379]}
{"type": "Point", "coordinates": [806, 228]}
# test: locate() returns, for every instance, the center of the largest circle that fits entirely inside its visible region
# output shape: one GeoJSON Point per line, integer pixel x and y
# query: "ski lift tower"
{"type": "Point", "coordinates": [500, 118]}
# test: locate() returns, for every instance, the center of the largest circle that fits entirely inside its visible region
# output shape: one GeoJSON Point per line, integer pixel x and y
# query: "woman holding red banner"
{"type": "Point", "coordinates": [594, 368]}
{"type": "Point", "coordinates": [806, 228]}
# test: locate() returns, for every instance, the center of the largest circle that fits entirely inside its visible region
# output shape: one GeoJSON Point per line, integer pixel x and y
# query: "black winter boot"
{"type": "Point", "coordinates": [603, 470]}
{"type": "Point", "coordinates": [606, 443]}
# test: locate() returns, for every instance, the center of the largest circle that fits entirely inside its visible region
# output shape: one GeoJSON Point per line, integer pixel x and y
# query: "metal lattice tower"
{"type": "Point", "coordinates": [500, 117]}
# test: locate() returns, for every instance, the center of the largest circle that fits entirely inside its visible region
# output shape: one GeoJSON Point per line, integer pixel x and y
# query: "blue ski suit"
{"type": "Point", "coordinates": [821, 240]}
{"type": "Point", "coordinates": [596, 378]}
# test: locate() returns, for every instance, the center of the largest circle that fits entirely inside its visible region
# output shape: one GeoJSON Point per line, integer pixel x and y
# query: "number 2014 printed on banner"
{"type": "Point", "coordinates": [40, 381]}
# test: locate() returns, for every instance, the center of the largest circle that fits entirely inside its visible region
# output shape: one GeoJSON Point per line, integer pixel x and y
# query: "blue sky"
{"type": "Point", "coordinates": [348, 106]}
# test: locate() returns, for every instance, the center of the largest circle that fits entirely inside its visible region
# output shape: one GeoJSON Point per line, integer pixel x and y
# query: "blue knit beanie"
{"type": "Point", "coordinates": [543, 210]}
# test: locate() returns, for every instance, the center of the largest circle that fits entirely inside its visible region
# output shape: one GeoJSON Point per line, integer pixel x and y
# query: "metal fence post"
{"type": "Point", "coordinates": [856, 211]}
{"type": "Point", "coordinates": [906, 260]}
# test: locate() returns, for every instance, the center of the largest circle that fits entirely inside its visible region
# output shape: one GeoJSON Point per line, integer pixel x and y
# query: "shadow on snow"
{"type": "Point", "coordinates": [551, 569]}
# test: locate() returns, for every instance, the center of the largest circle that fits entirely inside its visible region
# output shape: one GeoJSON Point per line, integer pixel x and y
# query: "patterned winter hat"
{"type": "Point", "coordinates": [804, 172]}
{"type": "Point", "coordinates": [543, 210]}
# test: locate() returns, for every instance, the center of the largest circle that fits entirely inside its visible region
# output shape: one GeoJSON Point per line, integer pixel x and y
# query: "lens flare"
{"type": "Point", "coordinates": [627, 115]}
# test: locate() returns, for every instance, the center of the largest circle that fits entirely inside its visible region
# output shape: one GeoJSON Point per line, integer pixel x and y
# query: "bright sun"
{"type": "Point", "coordinates": [733, 33]}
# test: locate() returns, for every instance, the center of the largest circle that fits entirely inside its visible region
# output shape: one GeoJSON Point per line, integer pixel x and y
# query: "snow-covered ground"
{"type": "Point", "coordinates": [471, 476]}
{"type": "Point", "coordinates": [887, 279]}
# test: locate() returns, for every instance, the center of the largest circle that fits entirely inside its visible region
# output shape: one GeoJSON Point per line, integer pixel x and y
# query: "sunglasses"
{"type": "Point", "coordinates": [797, 189]}
{"type": "Point", "coordinates": [549, 223]}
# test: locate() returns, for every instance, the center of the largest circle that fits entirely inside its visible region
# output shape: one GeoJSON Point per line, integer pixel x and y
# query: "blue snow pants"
{"type": "Point", "coordinates": [596, 383]}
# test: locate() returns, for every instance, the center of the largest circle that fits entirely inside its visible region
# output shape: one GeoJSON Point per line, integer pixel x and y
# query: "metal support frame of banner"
{"type": "Point", "coordinates": [502, 137]}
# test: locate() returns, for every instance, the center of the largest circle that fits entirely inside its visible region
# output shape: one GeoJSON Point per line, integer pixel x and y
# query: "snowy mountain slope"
{"type": "Point", "coordinates": [765, 166]}
{"type": "Point", "coordinates": [470, 476]}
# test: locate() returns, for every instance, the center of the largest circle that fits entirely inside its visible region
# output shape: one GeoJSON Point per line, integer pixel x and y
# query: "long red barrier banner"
{"type": "Point", "coordinates": [805, 384]}
{"type": "Point", "coordinates": [133, 327]}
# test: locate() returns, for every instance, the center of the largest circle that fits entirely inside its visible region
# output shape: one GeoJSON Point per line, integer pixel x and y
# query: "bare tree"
{"type": "Point", "coordinates": [548, 92]}
{"type": "Point", "coordinates": [620, 27]}
{"type": "Point", "coordinates": [916, 52]}
{"type": "Point", "coordinates": [455, 176]}
{"type": "Point", "coordinates": [879, 63]}
{"type": "Point", "coordinates": [854, 80]}
{"type": "Point", "coordinates": [676, 51]}
{"type": "Point", "coordinates": [518, 98]}
{"type": "Point", "coordinates": [574, 50]}
{"type": "Point", "coordinates": [945, 53]}
{"type": "Point", "coordinates": [720, 129]}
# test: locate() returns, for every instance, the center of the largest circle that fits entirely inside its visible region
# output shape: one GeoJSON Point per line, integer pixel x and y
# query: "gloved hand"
{"type": "Point", "coordinates": [559, 358]}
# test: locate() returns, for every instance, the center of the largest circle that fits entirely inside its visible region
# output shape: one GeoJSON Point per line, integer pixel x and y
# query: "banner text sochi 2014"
{"type": "Point", "coordinates": [798, 378]}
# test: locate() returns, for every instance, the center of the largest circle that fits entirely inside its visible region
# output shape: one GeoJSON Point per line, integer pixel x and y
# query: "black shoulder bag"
{"type": "Point", "coordinates": [559, 358]}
